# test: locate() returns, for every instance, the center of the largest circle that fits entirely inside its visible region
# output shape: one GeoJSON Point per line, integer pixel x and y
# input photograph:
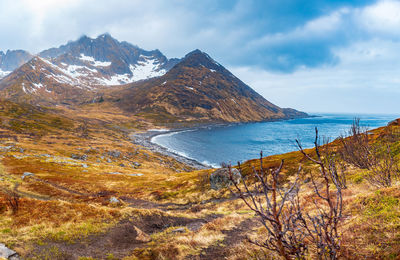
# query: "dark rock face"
{"type": "Point", "coordinates": [221, 178]}
{"type": "Point", "coordinates": [11, 60]}
{"type": "Point", "coordinates": [105, 48]}
{"type": "Point", "coordinates": [199, 89]}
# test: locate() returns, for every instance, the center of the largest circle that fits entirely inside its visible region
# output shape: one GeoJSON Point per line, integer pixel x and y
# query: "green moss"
{"type": "Point", "coordinates": [384, 207]}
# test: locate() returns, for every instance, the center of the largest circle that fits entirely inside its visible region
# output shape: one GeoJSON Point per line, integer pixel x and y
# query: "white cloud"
{"type": "Point", "coordinates": [382, 17]}
{"type": "Point", "coordinates": [366, 80]}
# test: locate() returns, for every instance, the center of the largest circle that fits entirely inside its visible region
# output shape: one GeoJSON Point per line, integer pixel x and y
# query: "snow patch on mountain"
{"type": "Point", "coordinates": [146, 69]}
{"type": "Point", "coordinates": [4, 73]}
{"type": "Point", "coordinates": [87, 75]}
{"type": "Point", "coordinates": [94, 62]}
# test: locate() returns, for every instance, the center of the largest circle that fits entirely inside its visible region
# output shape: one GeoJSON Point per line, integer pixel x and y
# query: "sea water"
{"type": "Point", "coordinates": [213, 145]}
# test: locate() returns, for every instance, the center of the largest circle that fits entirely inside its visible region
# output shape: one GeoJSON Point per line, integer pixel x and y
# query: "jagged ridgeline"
{"type": "Point", "coordinates": [195, 88]}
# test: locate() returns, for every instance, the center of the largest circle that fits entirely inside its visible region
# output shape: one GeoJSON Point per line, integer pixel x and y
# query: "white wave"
{"type": "Point", "coordinates": [155, 138]}
{"type": "Point", "coordinates": [213, 165]}
{"type": "Point", "coordinates": [158, 130]}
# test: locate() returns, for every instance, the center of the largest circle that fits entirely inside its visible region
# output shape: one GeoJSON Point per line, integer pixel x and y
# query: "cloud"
{"type": "Point", "coordinates": [316, 55]}
{"type": "Point", "coordinates": [367, 80]}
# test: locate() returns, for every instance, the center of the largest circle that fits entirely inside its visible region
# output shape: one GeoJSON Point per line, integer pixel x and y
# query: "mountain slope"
{"type": "Point", "coordinates": [11, 60]}
{"type": "Point", "coordinates": [40, 82]}
{"type": "Point", "coordinates": [108, 61]}
{"type": "Point", "coordinates": [200, 89]}
{"type": "Point", "coordinates": [193, 89]}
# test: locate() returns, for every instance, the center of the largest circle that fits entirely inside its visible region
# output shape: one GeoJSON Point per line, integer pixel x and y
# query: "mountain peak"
{"type": "Point", "coordinates": [198, 58]}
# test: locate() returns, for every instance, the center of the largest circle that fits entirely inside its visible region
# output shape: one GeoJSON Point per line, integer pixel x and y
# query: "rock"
{"type": "Point", "coordinates": [114, 200]}
{"type": "Point", "coordinates": [79, 157]}
{"type": "Point", "coordinates": [21, 150]}
{"type": "Point", "coordinates": [136, 174]}
{"type": "Point", "coordinates": [114, 173]}
{"type": "Point", "coordinates": [7, 253]}
{"type": "Point", "coordinates": [135, 165]}
{"type": "Point", "coordinates": [179, 230]}
{"type": "Point", "coordinates": [307, 180]}
{"type": "Point", "coordinates": [115, 153]}
{"type": "Point", "coordinates": [27, 174]}
{"type": "Point", "coordinates": [84, 165]}
{"type": "Point", "coordinates": [221, 178]}
{"type": "Point", "coordinates": [109, 161]}
{"type": "Point", "coordinates": [141, 236]}
{"type": "Point", "coordinates": [122, 165]}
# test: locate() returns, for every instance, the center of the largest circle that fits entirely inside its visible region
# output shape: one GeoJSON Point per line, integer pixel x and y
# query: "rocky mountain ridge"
{"type": "Point", "coordinates": [195, 88]}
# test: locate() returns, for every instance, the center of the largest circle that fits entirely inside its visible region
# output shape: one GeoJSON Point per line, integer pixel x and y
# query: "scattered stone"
{"type": "Point", "coordinates": [79, 157]}
{"type": "Point", "coordinates": [122, 165]}
{"type": "Point", "coordinates": [21, 150]}
{"type": "Point", "coordinates": [179, 230]}
{"type": "Point", "coordinates": [221, 178]}
{"type": "Point", "coordinates": [27, 174]}
{"type": "Point", "coordinates": [136, 164]}
{"type": "Point", "coordinates": [114, 200]}
{"type": "Point", "coordinates": [84, 165]}
{"type": "Point", "coordinates": [46, 155]}
{"type": "Point", "coordinates": [109, 161]}
{"type": "Point", "coordinates": [115, 153]}
{"type": "Point", "coordinates": [7, 253]}
{"type": "Point", "coordinates": [136, 174]}
{"type": "Point", "coordinates": [114, 173]}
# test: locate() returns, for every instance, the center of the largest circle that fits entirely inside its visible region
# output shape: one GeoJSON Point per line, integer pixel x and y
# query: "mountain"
{"type": "Point", "coordinates": [11, 60]}
{"type": "Point", "coordinates": [193, 89]}
{"type": "Point", "coordinates": [200, 89]}
{"type": "Point", "coordinates": [42, 83]}
{"type": "Point", "coordinates": [106, 61]}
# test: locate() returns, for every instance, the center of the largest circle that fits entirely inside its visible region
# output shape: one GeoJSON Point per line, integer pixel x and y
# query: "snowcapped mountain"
{"type": "Point", "coordinates": [105, 61]}
{"type": "Point", "coordinates": [11, 60]}
{"type": "Point", "coordinates": [198, 89]}
{"type": "Point", "coordinates": [195, 88]}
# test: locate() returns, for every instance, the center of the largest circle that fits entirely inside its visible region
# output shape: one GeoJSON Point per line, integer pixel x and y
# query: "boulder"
{"type": "Point", "coordinates": [115, 153]}
{"type": "Point", "coordinates": [27, 174]}
{"type": "Point", "coordinates": [136, 174]}
{"type": "Point", "coordinates": [114, 200]}
{"type": "Point", "coordinates": [179, 230]}
{"type": "Point", "coordinates": [221, 178]}
{"type": "Point", "coordinates": [7, 253]}
{"type": "Point", "coordinates": [79, 157]}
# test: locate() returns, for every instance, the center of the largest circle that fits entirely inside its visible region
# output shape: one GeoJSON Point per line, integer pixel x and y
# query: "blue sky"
{"type": "Point", "coordinates": [316, 56]}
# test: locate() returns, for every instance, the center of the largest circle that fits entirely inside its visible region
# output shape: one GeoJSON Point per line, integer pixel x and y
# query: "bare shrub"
{"type": "Point", "coordinates": [358, 150]}
{"type": "Point", "coordinates": [290, 230]}
{"type": "Point", "coordinates": [271, 202]}
{"type": "Point", "coordinates": [12, 201]}
{"type": "Point", "coordinates": [322, 227]}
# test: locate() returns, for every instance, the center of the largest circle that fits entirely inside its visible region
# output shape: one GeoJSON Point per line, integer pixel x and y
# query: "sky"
{"type": "Point", "coordinates": [312, 55]}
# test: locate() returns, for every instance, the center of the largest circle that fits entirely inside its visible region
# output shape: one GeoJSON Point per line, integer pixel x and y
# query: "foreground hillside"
{"type": "Point", "coordinates": [86, 192]}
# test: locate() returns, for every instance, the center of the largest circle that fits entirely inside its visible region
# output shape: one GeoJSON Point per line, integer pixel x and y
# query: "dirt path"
{"type": "Point", "coordinates": [233, 237]}
{"type": "Point", "coordinates": [119, 241]}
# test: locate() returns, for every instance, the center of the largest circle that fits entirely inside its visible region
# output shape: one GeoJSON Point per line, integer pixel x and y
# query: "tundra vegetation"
{"type": "Point", "coordinates": [88, 192]}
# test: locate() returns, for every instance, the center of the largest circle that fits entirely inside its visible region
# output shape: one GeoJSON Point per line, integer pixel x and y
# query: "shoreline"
{"type": "Point", "coordinates": [144, 139]}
